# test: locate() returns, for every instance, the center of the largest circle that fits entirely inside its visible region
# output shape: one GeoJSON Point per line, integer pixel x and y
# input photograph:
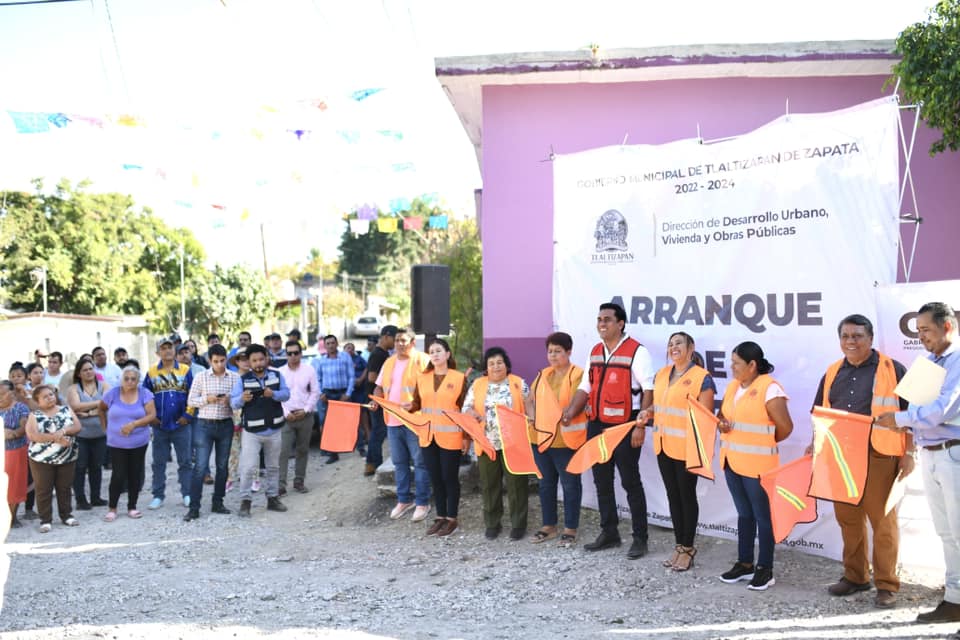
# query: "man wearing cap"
{"type": "Point", "coordinates": [243, 340]}
{"type": "Point", "coordinates": [170, 381]}
{"type": "Point", "coordinates": [185, 356]}
{"type": "Point", "coordinates": [275, 352]}
{"type": "Point", "coordinates": [335, 378]}
{"type": "Point", "coordinates": [378, 427]}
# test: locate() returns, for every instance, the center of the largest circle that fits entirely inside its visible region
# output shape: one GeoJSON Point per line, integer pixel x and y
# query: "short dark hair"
{"type": "Point", "coordinates": [493, 352]}
{"type": "Point", "coordinates": [55, 354]}
{"type": "Point", "coordinates": [292, 343]}
{"type": "Point", "coordinates": [97, 348]}
{"type": "Point", "coordinates": [212, 336]}
{"type": "Point", "coordinates": [256, 348]}
{"type": "Point", "coordinates": [618, 311]}
{"type": "Point", "coordinates": [451, 363]}
{"type": "Point", "coordinates": [751, 352]}
{"type": "Point", "coordinates": [330, 335]}
{"type": "Point", "coordinates": [119, 350]}
{"type": "Point", "coordinates": [245, 333]}
{"type": "Point", "coordinates": [560, 339]}
{"type": "Point", "coordinates": [939, 311]}
{"type": "Point", "coordinates": [217, 350]}
{"type": "Point", "coordinates": [32, 366]}
{"type": "Point", "coordinates": [858, 320]}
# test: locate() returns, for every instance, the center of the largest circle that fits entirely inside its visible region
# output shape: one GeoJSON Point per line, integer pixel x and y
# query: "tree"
{"type": "Point", "coordinates": [229, 300]}
{"type": "Point", "coordinates": [929, 71]}
{"type": "Point", "coordinates": [463, 255]}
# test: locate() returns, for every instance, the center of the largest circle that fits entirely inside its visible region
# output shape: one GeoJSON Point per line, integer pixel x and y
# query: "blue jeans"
{"type": "Point", "coordinates": [941, 482]}
{"type": "Point", "coordinates": [378, 432]}
{"type": "Point", "coordinates": [215, 435]}
{"type": "Point", "coordinates": [553, 467]}
{"type": "Point", "coordinates": [180, 438]}
{"type": "Point", "coordinates": [753, 518]}
{"type": "Point", "coordinates": [404, 451]}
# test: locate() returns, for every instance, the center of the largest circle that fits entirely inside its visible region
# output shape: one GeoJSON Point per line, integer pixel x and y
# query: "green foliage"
{"type": "Point", "coordinates": [229, 300]}
{"type": "Point", "coordinates": [102, 256]}
{"type": "Point", "coordinates": [463, 255]}
{"type": "Point", "coordinates": [338, 303]}
{"type": "Point", "coordinates": [315, 265]}
{"type": "Point", "coordinates": [929, 71]}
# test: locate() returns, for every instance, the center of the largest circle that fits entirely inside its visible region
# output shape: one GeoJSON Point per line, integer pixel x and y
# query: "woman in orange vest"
{"type": "Point", "coordinates": [753, 419]}
{"type": "Point", "coordinates": [498, 387]}
{"type": "Point", "coordinates": [551, 391]}
{"type": "Point", "coordinates": [671, 428]}
{"type": "Point", "coordinates": [442, 388]}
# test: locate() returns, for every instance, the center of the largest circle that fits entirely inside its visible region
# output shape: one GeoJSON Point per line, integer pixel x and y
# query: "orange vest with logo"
{"type": "Point", "coordinates": [572, 435]}
{"type": "Point", "coordinates": [884, 440]}
{"type": "Point", "coordinates": [611, 395]}
{"type": "Point", "coordinates": [418, 362]}
{"type": "Point", "coordinates": [480, 386]}
{"type": "Point", "coordinates": [671, 417]}
{"type": "Point", "coordinates": [433, 403]}
{"type": "Point", "coordinates": [750, 447]}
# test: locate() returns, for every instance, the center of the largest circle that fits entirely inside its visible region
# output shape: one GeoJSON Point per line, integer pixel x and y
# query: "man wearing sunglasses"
{"type": "Point", "coordinates": [298, 413]}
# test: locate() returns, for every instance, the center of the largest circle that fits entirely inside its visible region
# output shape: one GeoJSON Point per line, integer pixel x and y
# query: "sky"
{"type": "Point", "coordinates": [209, 77]}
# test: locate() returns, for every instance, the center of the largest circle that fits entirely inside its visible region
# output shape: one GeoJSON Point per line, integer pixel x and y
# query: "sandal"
{"type": "Point", "coordinates": [110, 517]}
{"type": "Point", "coordinates": [133, 513]}
{"type": "Point", "coordinates": [567, 540]}
{"type": "Point", "coordinates": [672, 560]}
{"type": "Point", "coordinates": [688, 552]}
{"type": "Point", "coordinates": [543, 536]}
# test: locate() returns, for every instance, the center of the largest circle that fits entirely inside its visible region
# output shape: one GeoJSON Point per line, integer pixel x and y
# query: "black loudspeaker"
{"type": "Point", "coordinates": [430, 293]}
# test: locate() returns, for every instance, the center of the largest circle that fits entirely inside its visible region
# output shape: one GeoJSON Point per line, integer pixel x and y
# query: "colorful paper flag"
{"type": "Point", "coordinates": [786, 488]}
{"type": "Point", "coordinates": [413, 222]}
{"type": "Point", "coordinates": [359, 227]}
{"type": "Point", "coordinates": [340, 427]}
{"type": "Point", "coordinates": [367, 212]}
{"type": "Point", "coordinates": [599, 448]}
{"type": "Point", "coordinates": [399, 167]}
{"type": "Point", "coordinates": [841, 450]}
{"type": "Point", "coordinates": [701, 440]}
{"type": "Point", "coordinates": [399, 204]}
{"type": "Point", "coordinates": [419, 424]}
{"type": "Point", "coordinates": [30, 122]}
{"type": "Point", "coordinates": [473, 428]}
{"type": "Point", "coordinates": [517, 454]}
{"type": "Point", "coordinates": [386, 225]}
{"type": "Point", "coordinates": [363, 94]}
{"type": "Point", "coordinates": [438, 222]}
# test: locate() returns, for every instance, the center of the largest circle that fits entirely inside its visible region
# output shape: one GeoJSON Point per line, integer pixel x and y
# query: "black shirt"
{"type": "Point", "coordinates": [852, 389]}
{"type": "Point", "coordinates": [378, 356]}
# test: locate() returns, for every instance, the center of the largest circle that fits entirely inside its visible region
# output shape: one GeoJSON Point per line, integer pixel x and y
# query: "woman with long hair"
{"type": "Point", "coordinates": [84, 397]}
{"type": "Point", "coordinates": [14, 415]}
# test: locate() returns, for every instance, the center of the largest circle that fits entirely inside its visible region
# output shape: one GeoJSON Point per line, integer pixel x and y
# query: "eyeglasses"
{"type": "Point", "coordinates": [293, 353]}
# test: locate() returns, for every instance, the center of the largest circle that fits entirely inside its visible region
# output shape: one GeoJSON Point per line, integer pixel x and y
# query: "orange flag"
{"type": "Point", "coordinates": [517, 454]}
{"type": "Point", "coordinates": [701, 440]}
{"type": "Point", "coordinates": [473, 428]}
{"type": "Point", "coordinates": [599, 448]}
{"type": "Point", "coordinates": [419, 424]}
{"type": "Point", "coordinates": [841, 449]}
{"type": "Point", "coordinates": [786, 488]}
{"type": "Point", "coordinates": [339, 433]}
{"type": "Point", "coordinates": [549, 413]}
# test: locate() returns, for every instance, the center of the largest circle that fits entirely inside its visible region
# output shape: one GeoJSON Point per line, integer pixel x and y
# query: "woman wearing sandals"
{"type": "Point", "coordinates": [83, 396]}
{"type": "Point", "coordinates": [52, 455]}
{"type": "Point", "coordinates": [442, 388]}
{"type": "Point", "coordinates": [14, 415]}
{"type": "Point", "coordinates": [552, 389]}
{"type": "Point", "coordinates": [671, 428]}
{"type": "Point", "coordinates": [126, 413]}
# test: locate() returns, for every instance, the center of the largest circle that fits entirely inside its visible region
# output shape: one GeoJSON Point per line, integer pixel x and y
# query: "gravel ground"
{"type": "Point", "coordinates": [336, 566]}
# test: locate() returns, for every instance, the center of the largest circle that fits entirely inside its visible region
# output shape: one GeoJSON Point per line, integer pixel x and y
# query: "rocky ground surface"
{"type": "Point", "coordinates": [336, 566]}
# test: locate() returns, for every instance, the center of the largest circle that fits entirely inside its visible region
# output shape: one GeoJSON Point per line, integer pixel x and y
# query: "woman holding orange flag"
{"type": "Point", "coordinates": [554, 445]}
{"type": "Point", "coordinates": [442, 388]}
{"type": "Point", "coordinates": [671, 428]}
{"type": "Point", "coordinates": [753, 419]}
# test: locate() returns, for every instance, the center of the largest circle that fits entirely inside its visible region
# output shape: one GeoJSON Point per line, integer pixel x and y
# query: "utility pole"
{"type": "Point", "coordinates": [183, 295]}
{"type": "Point", "coordinates": [263, 248]}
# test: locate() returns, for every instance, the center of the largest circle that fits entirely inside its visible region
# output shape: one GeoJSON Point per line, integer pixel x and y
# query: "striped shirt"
{"type": "Point", "coordinates": [209, 384]}
{"type": "Point", "coordinates": [334, 373]}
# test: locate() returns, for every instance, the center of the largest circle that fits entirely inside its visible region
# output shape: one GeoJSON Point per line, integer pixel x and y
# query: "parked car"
{"type": "Point", "coordinates": [364, 326]}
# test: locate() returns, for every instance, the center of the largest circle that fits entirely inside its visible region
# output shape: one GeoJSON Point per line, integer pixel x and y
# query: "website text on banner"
{"type": "Point", "coordinates": [772, 237]}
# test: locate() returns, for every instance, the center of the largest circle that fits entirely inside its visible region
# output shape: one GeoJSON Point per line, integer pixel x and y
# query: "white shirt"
{"type": "Point", "coordinates": [49, 378]}
{"type": "Point", "coordinates": [641, 371]}
{"type": "Point", "coordinates": [111, 374]}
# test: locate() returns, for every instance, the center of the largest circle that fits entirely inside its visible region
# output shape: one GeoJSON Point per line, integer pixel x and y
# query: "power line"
{"type": "Point", "coordinates": [28, 2]}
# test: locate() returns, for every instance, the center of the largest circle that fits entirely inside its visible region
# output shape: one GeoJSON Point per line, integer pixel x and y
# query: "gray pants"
{"type": "Point", "coordinates": [295, 437]}
{"type": "Point", "coordinates": [250, 445]}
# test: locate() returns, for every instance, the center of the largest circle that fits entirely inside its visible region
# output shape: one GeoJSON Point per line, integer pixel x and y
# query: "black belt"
{"type": "Point", "coordinates": [334, 390]}
{"type": "Point", "coordinates": [943, 445]}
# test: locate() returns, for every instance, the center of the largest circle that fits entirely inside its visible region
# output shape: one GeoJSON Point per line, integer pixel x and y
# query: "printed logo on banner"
{"type": "Point", "coordinates": [611, 236]}
{"type": "Point", "coordinates": [908, 328]}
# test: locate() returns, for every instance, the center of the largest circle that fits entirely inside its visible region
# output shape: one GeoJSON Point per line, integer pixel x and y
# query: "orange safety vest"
{"type": "Point", "coordinates": [574, 434]}
{"type": "Point", "coordinates": [751, 446]}
{"type": "Point", "coordinates": [433, 403]}
{"type": "Point", "coordinates": [418, 361]}
{"type": "Point", "coordinates": [611, 394]}
{"type": "Point", "coordinates": [480, 386]}
{"type": "Point", "coordinates": [671, 417]}
{"type": "Point", "coordinates": [883, 439]}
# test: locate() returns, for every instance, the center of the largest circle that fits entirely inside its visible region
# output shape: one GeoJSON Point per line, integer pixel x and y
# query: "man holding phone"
{"type": "Point", "coordinates": [210, 394]}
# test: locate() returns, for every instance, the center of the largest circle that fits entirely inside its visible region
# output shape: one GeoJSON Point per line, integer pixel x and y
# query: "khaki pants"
{"type": "Point", "coordinates": [295, 440]}
{"type": "Point", "coordinates": [881, 472]}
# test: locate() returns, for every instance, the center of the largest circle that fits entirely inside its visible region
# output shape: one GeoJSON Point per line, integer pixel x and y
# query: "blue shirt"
{"type": "Point", "coordinates": [929, 422]}
{"type": "Point", "coordinates": [282, 394]}
{"type": "Point", "coordinates": [335, 373]}
{"type": "Point", "coordinates": [170, 388]}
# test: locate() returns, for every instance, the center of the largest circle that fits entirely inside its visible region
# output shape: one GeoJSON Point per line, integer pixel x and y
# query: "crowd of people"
{"type": "Point", "coordinates": [255, 407]}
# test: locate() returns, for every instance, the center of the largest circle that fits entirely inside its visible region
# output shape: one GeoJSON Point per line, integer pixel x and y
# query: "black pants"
{"type": "Point", "coordinates": [681, 486]}
{"type": "Point", "coordinates": [627, 461]}
{"type": "Point", "coordinates": [92, 452]}
{"type": "Point", "coordinates": [444, 468]}
{"type": "Point", "coordinates": [128, 470]}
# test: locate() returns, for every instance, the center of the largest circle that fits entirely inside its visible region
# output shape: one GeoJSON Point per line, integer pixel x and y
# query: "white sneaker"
{"type": "Point", "coordinates": [400, 509]}
{"type": "Point", "coordinates": [186, 501]}
{"type": "Point", "coordinates": [156, 503]}
{"type": "Point", "coordinates": [420, 513]}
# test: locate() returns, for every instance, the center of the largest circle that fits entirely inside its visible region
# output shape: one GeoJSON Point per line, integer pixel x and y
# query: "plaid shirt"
{"type": "Point", "coordinates": [334, 373]}
{"type": "Point", "coordinates": [208, 384]}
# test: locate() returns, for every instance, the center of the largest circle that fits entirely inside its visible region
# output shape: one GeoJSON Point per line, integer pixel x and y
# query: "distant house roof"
{"type": "Point", "coordinates": [136, 321]}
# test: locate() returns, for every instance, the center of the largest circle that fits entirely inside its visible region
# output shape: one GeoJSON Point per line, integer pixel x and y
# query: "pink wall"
{"type": "Point", "coordinates": [521, 122]}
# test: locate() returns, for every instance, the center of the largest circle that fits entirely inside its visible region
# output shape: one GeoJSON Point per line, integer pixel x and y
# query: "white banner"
{"type": "Point", "coordinates": [771, 237]}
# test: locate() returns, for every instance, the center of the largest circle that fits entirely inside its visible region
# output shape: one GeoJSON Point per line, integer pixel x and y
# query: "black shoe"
{"type": "Point", "coordinates": [517, 533]}
{"type": "Point", "coordinates": [638, 549]}
{"type": "Point", "coordinates": [244, 509]}
{"type": "Point", "coordinates": [739, 572]}
{"type": "Point", "coordinates": [274, 504]}
{"type": "Point", "coordinates": [604, 541]}
{"type": "Point", "coordinates": [83, 505]}
{"type": "Point", "coordinates": [107, 466]}
{"type": "Point", "coordinates": [98, 502]}
{"type": "Point", "coordinates": [219, 508]}
{"type": "Point", "coordinates": [945, 612]}
{"type": "Point", "coordinates": [191, 515]}
{"type": "Point", "coordinates": [762, 579]}
{"type": "Point", "coordinates": [334, 457]}
{"type": "Point", "coordinates": [492, 532]}
{"type": "Point", "coordinates": [282, 491]}
{"type": "Point", "coordinates": [362, 451]}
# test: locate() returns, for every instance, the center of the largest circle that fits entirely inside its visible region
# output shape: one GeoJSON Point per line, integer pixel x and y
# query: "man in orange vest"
{"type": "Point", "coordinates": [618, 384]}
{"type": "Point", "coordinates": [862, 382]}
